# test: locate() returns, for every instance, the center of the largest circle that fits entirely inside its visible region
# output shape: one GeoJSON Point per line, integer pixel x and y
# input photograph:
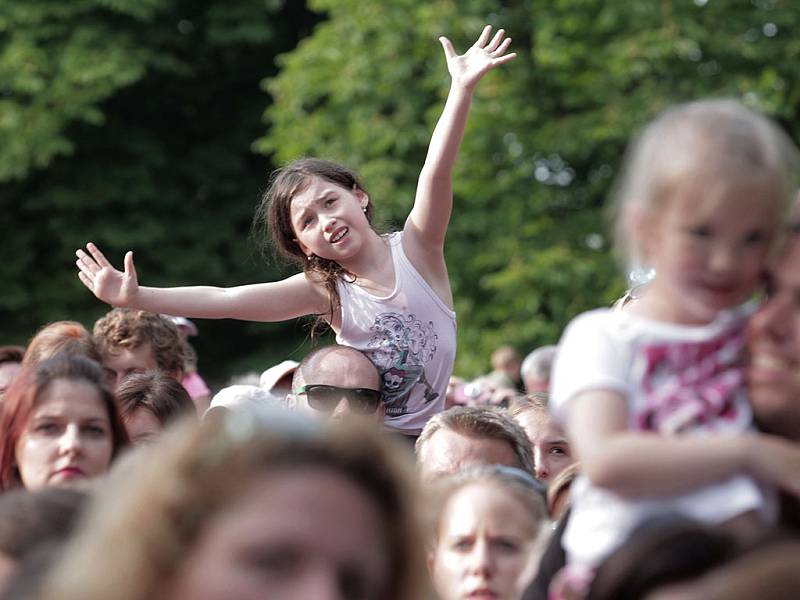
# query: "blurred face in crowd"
{"type": "Point", "coordinates": [447, 452]}
{"type": "Point", "coordinates": [8, 370]}
{"type": "Point", "coordinates": [68, 437]}
{"type": "Point", "coordinates": [348, 385]}
{"type": "Point", "coordinates": [126, 361]}
{"type": "Point", "coordinates": [551, 453]}
{"type": "Point", "coordinates": [484, 546]}
{"type": "Point", "coordinates": [291, 535]}
{"type": "Point", "coordinates": [774, 343]}
{"type": "Point", "coordinates": [142, 426]}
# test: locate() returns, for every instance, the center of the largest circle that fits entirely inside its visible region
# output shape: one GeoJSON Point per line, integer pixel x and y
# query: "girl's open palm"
{"type": "Point", "coordinates": [107, 283]}
{"type": "Point", "coordinates": [485, 54]}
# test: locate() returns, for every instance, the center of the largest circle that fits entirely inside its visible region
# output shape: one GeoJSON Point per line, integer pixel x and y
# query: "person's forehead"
{"type": "Point", "coordinates": [450, 450]}
{"type": "Point", "coordinates": [141, 355]}
{"type": "Point", "coordinates": [343, 369]}
{"type": "Point", "coordinates": [314, 190]}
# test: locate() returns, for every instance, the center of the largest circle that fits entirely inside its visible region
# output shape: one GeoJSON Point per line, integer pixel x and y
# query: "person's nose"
{"type": "Point", "coordinates": [540, 463]}
{"type": "Point", "coordinates": [723, 259]}
{"type": "Point", "coordinates": [321, 584]}
{"type": "Point", "coordinates": [481, 559]}
{"type": "Point", "coordinates": [341, 409]}
{"type": "Point", "coordinates": [70, 441]}
{"type": "Point", "coordinates": [329, 223]}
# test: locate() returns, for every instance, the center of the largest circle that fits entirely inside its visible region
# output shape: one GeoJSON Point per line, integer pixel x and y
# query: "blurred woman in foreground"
{"type": "Point", "coordinates": [237, 508]}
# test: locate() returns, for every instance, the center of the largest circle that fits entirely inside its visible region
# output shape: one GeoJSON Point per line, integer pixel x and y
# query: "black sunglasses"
{"type": "Point", "coordinates": [325, 398]}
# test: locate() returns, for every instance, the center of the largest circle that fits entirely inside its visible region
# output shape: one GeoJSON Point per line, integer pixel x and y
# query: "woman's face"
{"type": "Point", "coordinates": [309, 533]}
{"type": "Point", "coordinates": [551, 452]}
{"type": "Point", "coordinates": [484, 548]}
{"type": "Point", "coordinates": [68, 437]}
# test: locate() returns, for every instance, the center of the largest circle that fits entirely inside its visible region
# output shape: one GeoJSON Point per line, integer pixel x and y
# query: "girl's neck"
{"type": "Point", "coordinates": [373, 266]}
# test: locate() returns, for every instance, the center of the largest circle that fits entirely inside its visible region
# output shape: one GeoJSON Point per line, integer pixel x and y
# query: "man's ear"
{"type": "Point", "coordinates": [290, 402]}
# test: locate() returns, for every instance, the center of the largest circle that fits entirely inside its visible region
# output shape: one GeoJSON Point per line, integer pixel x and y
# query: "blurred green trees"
{"type": "Point", "coordinates": [133, 123]}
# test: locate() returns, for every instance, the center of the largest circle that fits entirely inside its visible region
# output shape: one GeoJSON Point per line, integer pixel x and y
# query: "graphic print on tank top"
{"type": "Point", "coordinates": [400, 346]}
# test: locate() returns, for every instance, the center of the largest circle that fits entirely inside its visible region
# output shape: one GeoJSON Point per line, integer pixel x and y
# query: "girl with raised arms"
{"type": "Point", "coordinates": [386, 295]}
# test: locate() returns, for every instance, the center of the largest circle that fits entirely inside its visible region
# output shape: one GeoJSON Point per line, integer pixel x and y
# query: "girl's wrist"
{"type": "Point", "coordinates": [459, 87]}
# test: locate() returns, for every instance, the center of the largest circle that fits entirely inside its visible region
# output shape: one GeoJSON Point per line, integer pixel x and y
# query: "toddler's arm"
{"type": "Point", "coordinates": [275, 301]}
{"type": "Point", "coordinates": [632, 463]}
{"type": "Point", "coordinates": [427, 223]}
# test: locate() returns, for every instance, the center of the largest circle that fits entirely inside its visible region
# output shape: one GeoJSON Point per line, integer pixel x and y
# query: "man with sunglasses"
{"type": "Point", "coordinates": [336, 382]}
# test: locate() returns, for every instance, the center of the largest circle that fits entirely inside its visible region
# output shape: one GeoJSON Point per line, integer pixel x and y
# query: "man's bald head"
{"type": "Point", "coordinates": [335, 365]}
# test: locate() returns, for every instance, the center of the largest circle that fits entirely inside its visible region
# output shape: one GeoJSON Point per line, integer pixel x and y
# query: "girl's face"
{"type": "Point", "coordinates": [709, 246]}
{"type": "Point", "coordinates": [485, 545]}
{"type": "Point", "coordinates": [551, 453]}
{"type": "Point", "coordinates": [329, 220]}
{"type": "Point", "coordinates": [68, 437]}
{"type": "Point", "coordinates": [308, 533]}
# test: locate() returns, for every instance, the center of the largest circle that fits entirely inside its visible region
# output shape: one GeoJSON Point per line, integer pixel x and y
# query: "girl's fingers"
{"type": "Point", "coordinates": [85, 263]}
{"type": "Point", "coordinates": [129, 270]}
{"type": "Point", "coordinates": [501, 49]}
{"type": "Point", "coordinates": [449, 51]}
{"type": "Point", "coordinates": [97, 255]}
{"type": "Point", "coordinates": [495, 41]}
{"type": "Point", "coordinates": [484, 37]}
{"type": "Point", "coordinates": [504, 59]}
{"type": "Point", "coordinates": [86, 280]}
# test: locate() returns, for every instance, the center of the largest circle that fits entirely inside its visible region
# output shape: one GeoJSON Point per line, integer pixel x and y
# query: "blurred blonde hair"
{"type": "Point", "coordinates": [715, 141]}
{"type": "Point", "coordinates": [145, 519]}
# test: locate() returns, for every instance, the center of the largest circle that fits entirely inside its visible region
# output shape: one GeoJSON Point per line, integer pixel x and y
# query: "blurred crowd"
{"type": "Point", "coordinates": [123, 477]}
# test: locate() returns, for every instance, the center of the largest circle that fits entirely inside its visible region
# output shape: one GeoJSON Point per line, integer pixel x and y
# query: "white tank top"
{"type": "Point", "coordinates": [410, 335]}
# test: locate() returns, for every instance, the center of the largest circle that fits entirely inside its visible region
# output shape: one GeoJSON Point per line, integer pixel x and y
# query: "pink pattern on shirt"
{"type": "Point", "coordinates": [692, 385]}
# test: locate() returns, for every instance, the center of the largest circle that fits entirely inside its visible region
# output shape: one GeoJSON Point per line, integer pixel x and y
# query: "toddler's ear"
{"type": "Point", "coordinates": [638, 227]}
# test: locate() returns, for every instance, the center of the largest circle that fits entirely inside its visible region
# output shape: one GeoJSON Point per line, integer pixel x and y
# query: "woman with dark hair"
{"type": "Point", "coordinates": [149, 402]}
{"type": "Point", "coordinates": [58, 424]}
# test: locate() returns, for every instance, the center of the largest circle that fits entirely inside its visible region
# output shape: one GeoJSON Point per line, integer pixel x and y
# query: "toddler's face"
{"type": "Point", "coordinates": [709, 245]}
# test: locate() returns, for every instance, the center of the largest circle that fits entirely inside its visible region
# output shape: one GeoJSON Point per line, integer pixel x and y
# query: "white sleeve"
{"type": "Point", "coordinates": [590, 357]}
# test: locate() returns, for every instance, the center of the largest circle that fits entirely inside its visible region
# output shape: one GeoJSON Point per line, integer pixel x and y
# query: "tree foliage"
{"type": "Point", "coordinates": [133, 123]}
{"type": "Point", "coordinates": [130, 123]}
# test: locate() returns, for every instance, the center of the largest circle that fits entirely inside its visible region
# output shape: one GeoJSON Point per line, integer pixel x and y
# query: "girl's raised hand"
{"type": "Point", "coordinates": [485, 54]}
{"type": "Point", "coordinates": [107, 283]}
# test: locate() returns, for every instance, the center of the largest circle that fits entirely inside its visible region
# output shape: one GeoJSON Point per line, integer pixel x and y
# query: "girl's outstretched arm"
{"type": "Point", "coordinates": [275, 301]}
{"type": "Point", "coordinates": [427, 223]}
{"type": "Point", "coordinates": [633, 463]}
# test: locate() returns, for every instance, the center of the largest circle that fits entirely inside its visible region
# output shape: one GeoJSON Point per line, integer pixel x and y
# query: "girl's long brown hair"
{"type": "Point", "coordinates": [273, 219]}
